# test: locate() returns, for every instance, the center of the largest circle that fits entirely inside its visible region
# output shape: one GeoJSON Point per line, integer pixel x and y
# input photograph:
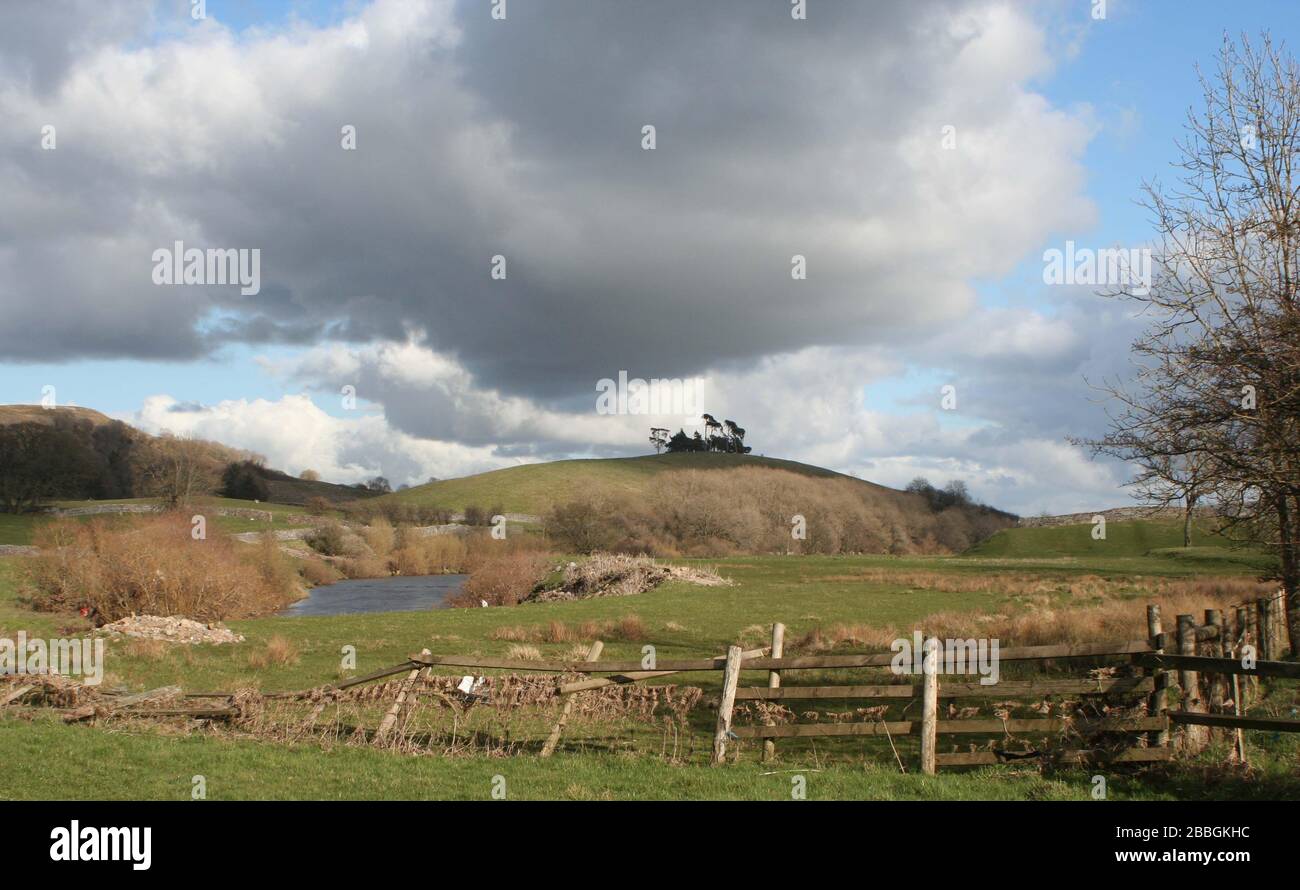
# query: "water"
{"type": "Point", "coordinates": [400, 593]}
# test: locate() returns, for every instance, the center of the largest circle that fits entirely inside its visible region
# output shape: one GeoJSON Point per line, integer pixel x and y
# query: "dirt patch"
{"type": "Point", "coordinates": [615, 575]}
{"type": "Point", "coordinates": [172, 630]}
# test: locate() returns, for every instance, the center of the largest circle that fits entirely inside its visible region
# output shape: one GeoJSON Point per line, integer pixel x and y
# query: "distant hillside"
{"type": "Point", "coordinates": [38, 414]}
{"type": "Point", "coordinates": [286, 489]}
{"type": "Point", "coordinates": [712, 504]}
{"type": "Point", "coordinates": [535, 488]}
{"type": "Point", "coordinates": [73, 453]}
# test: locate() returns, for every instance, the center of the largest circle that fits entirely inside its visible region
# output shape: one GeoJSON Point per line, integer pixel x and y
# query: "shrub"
{"type": "Point", "coordinates": [503, 580]}
{"type": "Point", "coordinates": [318, 572]}
{"type": "Point", "coordinates": [365, 566]}
{"type": "Point", "coordinates": [579, 527]}
{"type": "Point", "coordinates": [328, 539]}
{"type": "Point", "coordinates": [279, 652]}
{"type": "Point", "coordinates": [429, 555]}
{"type": "Point", "coordinates": [379, 537]}
{"type": "Point", "coordinates": [152, 566]}
{"type": "Point", "coordinates": [318, 506]}
{"type": "Point", "coordinates": [474, 515]}
{"type": "Point", "coordinates": [246, 481]}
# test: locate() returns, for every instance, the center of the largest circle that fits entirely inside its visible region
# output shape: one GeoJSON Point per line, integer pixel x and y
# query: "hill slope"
{"type": "Point", "coordinates": [38, 414]}
{"type": "Point", "coordinates": [534, 488]}
{"type": "Point", "coordinates": [113, 458]}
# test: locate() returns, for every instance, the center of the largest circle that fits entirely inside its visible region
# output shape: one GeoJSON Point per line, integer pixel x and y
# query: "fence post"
{"type": "Point", "coordinates": [1264, 627]}
{"type": "Point", "coordinates": [1241, 685]}
{"type": "Point", "coordinates": [1282, 638]}
{"type": "Point", "coordinates": [1189, 681]}
{"type": "Point", "coordinates": [774, 682]}
{"type": "Point", "coordinates": [1215, 682]}
{"type": "Point", "coordinates": [730, 678]}
{"type": "Point", "coordinates": [390, 719]}
{"type": "Point", "coordinates": [929, 706]}
{"type": "Point", "coordinates": [1250, 636]}
{"type": "Point", "coordinates": [554, 738]}
{"type": "Point", "coordinates": [1159, 699]}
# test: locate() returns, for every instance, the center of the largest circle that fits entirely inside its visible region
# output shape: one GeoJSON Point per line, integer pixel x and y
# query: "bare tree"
{"type": "Point", "coordinates": [180, 470]}
{"type": "Point", "coordinates": [1213, 409]}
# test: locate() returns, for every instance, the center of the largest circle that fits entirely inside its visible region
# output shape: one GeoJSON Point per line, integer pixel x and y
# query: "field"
{"type": "Point", "coordinates": [806, 593]}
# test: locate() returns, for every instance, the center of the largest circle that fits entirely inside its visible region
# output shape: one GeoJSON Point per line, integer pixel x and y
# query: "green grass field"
{"type": "Point", "coordinates": [19, 528]}
{"type": "Point", "coordinates": [1153, 541]}
{"type": "Point", "coordinates": [47, 759]}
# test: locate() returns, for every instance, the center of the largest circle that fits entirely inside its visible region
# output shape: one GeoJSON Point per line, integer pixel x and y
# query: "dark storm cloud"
{"type": "Point", "coordinates": [522, 138]}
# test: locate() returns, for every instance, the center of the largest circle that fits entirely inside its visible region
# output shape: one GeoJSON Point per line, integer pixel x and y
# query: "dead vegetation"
{"type": "Point", "coordinates": [607, 574]}
{"type": "Point", "coordinates": [153, 566]}
{"type": "Point", "coordinates": [502, 715]}
{"type": "Point", "coordinates": [1045, 621]}
{"type": "Point", "coordinates": [278, 652]}
{"type": "Point", "coordinates": [723, 512]}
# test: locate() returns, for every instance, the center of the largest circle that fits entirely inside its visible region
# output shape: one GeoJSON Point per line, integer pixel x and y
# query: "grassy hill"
{"type": "Point", "coordinates": [286, 489]}
{"type": "Point", "coordinates": [37, 414]}
{"type": "Point", "coordinates": [533, 488]}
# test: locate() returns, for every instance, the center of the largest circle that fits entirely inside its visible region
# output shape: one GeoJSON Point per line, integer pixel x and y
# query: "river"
{"type": "Point", "coordinates": [400, 593]}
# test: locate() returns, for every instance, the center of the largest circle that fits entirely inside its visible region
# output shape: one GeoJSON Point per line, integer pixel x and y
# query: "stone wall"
{"type": "Point", "coordinates": [1116, 514]}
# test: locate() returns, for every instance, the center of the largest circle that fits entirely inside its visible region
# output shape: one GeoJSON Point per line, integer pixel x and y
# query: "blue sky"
{"type": "Point", "coordinates": [1129, 78]}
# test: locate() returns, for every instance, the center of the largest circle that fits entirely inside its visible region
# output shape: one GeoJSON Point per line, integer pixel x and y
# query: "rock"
{"type": "Point", "coordinates": [172, 630]}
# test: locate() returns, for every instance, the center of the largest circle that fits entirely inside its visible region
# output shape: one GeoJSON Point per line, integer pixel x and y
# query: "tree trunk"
{"type": "Point", "coordinates": [1287, 537]}
{"type": "Point", "coordinates": [1189, 502]}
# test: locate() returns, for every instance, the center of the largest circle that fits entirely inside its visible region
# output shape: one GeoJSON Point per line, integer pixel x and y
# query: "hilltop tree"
{"type": "Point", "coordinates": [724, 437]}
{"type": "Point", "coordinates": [658, 438]}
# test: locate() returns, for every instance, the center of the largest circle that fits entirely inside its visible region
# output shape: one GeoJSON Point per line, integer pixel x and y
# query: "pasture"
{"type": "Point", "coordinates": [842, 603]}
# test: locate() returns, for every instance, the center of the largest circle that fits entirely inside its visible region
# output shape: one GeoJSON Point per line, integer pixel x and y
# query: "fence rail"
{"type": "Point", "coordinates": [1202, 663]}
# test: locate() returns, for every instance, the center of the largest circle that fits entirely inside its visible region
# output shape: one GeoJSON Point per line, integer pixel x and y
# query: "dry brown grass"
{"type": "Point", "coordinates": [152, 566]}
{"type": "Point", "coordinates": [379, 537]}
{"type": "Point", "coordinates": [1045, 623]}
{"type": "Point", "coordinates": [278, 652]}
{"type": "Point", "coordinates": [526, 653]}
{"type": "Point", "coordinates": [629, 629]}
{"type": "Point", "coordinates": [429, 554]}
{"type": "Point", "coordinates": [722, 512]}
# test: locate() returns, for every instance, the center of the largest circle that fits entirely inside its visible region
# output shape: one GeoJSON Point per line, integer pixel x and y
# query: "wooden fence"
{"type": "Point", "coordinates": [1214, 678]}
{"type": "Point", "coordinates": [1207, 665]}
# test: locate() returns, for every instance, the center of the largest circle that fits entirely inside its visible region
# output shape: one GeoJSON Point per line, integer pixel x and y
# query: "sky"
{"type": "Point", "coordinates": [461, 229]}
